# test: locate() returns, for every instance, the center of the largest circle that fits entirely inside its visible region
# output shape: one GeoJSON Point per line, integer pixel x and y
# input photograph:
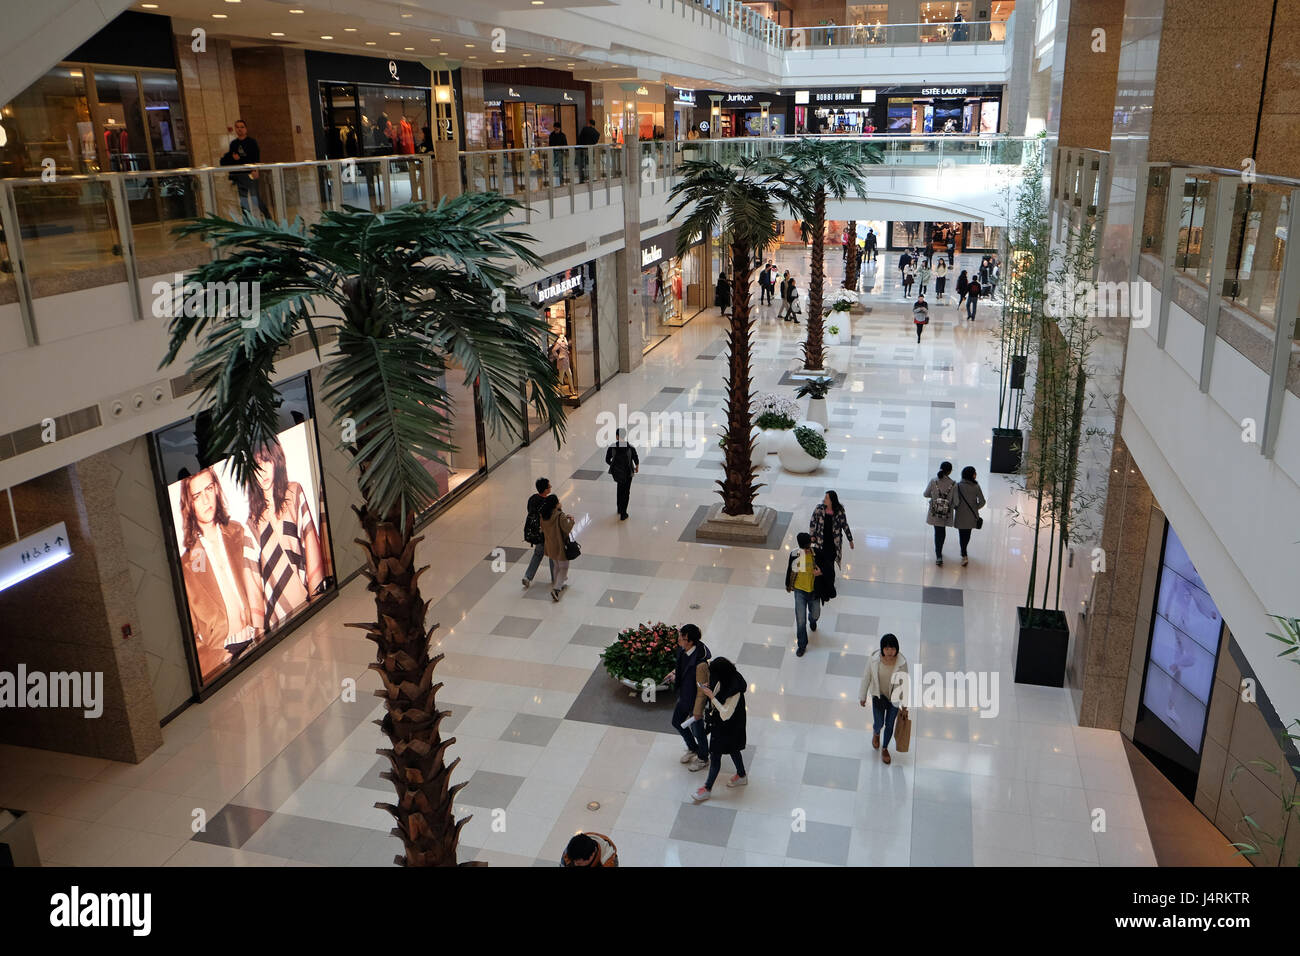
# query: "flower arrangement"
{"type": "Point", "coordinates": [844, 300]}
{"type": "Point", "coordinates": [833, 330]}
{"type": "Point", "coordinates": [816, 387]}
{"type": "Point", "coordinates": [647, 651]}
{"type": "Point", "coordinates": [811, 441]}
{"type": "Point", "coordinates": [777, 404]}
{"type": "Point", "coordinates": [776, 420]}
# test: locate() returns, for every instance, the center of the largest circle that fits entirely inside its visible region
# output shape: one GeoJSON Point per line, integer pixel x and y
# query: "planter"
{"type": "Point", "coordinates": [817, 412]}
{"type": "Point", "coordinates": [1018, 365]}
{"type": "Point", "coordinates": [794, 459]}
{"type": "Point", "coordinates": [829, 339]}
{"type": "Point", "coordinates": [1008, 444]}
{"type": "Point", "coordinates": [768, 440]}
{"type": "Point", "coordinates": [626, 682]}
{"type": "Point", "coordinates": [1041, 648]}
{"type": "Point", "coordinates": [815, 426]}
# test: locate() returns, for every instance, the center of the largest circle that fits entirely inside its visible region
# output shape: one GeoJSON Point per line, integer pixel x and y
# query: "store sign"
{"type": "Point", "coordinates": [685, 98]}
{"type": "Point", "coordinates": [642, 91]}
{"type": "Point", "coordinates": [491, 103]}
{"type": "Point", "coordinates": [662, 246]}
{"type": "Point", "coordinates": [704, 127]}
{"type": "Point", "coordinates": [568, 98]}
{"type": "Point", "coordinates": [839, 96]}
{"type": "Point", "coordinates": [572, 282]}
{"type": "Point", "coordinates": [29, 556]}
{"type": "Point", "coordinates": [651, 255]}
{"type": "Point", "coordinates": [943, 91]}
{"type": "Point", "coordinates": [392, 70]}
{"type": "Point", "coordinates": [738, 99]}
{"type": "Point", "coordinates": [510, 91]}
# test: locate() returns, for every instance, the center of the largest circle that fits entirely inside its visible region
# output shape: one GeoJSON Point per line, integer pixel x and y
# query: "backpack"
{"type": "Point", "coordinates": [533, 527]}
{"type": "Point", "coordinates": [941, 507]}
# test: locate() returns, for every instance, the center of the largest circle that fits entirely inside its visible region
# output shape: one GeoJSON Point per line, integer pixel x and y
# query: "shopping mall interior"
{"type": "Point", "coordinates": [972, 284]}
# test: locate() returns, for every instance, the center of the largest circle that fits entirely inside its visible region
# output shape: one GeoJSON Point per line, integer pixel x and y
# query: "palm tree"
{"type": "Point", "coordinates": [415, 288]}
{"type": "Point", "coordinates": [826, 169]}
{"type": "Point", "coordinates": [743, 200]}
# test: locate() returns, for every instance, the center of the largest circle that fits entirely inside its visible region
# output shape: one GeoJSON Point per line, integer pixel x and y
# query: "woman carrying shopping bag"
{"type": "Point", "coordinates": [885, 684]}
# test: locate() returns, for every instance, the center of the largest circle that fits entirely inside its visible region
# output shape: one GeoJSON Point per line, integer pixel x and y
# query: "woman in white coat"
{"type": "Point", "coordinates": [885, 684]}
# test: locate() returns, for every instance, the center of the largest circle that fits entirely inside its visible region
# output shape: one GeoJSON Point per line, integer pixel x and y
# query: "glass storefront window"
{"type": "Point", "coordinates": [1153, 219]}
{"type": "Point", "coordinates": [50, 119]}
{"type": "Point", "coordinates": [1257, 249]}
{"type": "Point", "coordinates": [394, 119]}
{"type": "Point", "coordinates": [466, 458]}
{"type": "Point", "coordinates": [119, 121]}
{"type": "Point", "coordinates": [1191, 224]}
{"type": "Point", "coordinates": [165, 115]}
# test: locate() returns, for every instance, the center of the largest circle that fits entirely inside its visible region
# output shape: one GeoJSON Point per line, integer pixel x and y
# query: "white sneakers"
{"type": "Point", "coordinates": [736, 781]}
{"type": "Point", "coordinates": [700, 795]}
{"type": "Point", "coordinates": [688, 756]}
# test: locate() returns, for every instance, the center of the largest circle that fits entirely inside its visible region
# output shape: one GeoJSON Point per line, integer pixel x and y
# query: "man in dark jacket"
{"type": "Point", "coordinates": [690, 671]}
{"type": "Point", "coordinates": [904, 261]}
{"type": "Point", "coordinates": [533, 530]}
{"type": "Point", "coordinates": [244, 151]}
{"type": "Point", "coordinates": [765, 287]}
{"type": "Point", "coordinates": [623, 463]}
{"type": "Point", "coordinates": [589, 135]}
{"type": "Point", "coordinates": [871, 244]}
{"type": "Point", "coordinates": [559, 160]}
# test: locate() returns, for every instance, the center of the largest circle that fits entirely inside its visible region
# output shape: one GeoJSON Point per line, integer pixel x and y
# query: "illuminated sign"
{"type": "Point", "coordinates": [651, 255]}
{"type": "Point", "coordinates": [510, 91]}
{"type": "Point", "coordinates": [491, 103]}
{"type": "Point", "coordinates": [685, 98]}
{"type": "Point", "coordinates": [29, 556]}
{"type": "Point", "coordinates": [943, 91]}
{"type": "Point", "coordinates": [642, 91]}
{"type": "Point", "coordinates": [569, 283]}
{"type": "Point", "coordinates": [739, 98]}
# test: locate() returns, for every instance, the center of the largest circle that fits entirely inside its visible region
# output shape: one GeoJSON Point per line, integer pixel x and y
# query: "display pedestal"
{"type": "Point", "coordinates": [1041, 649]}
{"type": "Point", "coordinates": [749, 529]}
{"type": "Point", "coordinates": [1008, 444]}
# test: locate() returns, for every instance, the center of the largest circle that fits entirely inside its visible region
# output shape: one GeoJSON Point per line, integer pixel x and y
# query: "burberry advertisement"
{"type": "Point", "coordinates": [253, 555]}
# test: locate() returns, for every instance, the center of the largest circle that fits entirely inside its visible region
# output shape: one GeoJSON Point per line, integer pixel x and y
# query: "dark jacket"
{"type": "Point", "coordinates": [722, 294]}
{"type": "Point", "coordinates": [727, 736]}
{"type": "Point", "coordinates": [963, 283]}
{"type": "Point", "coordinates": [904, 261]}
{"type": "Point", "coordinates": [588, 136]}
{"type": "Point", "coordinates": [245, 151]}
{"type": "Point", "coordinates": [871, 240]}
{"type": "Point", "coordinates": [622, 461]}
{"type": "Point", "coordinates": [557, 138]}
{"type": "Point", "coordinates": [687, 676]}
{"type": "Point", "coordinates": [817, 526]}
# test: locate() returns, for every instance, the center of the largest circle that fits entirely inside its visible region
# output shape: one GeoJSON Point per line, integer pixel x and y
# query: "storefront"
{"type": "Point", "coordinates": [741, 114]}
{"type": "Point", "coordinates": [567, 303]}
{"type": "Point", "coordinates": [899, 111]}
{"type": "Point", "coordinates": [519, 116]}
{"type": "Point", "coordinates": [649, 100]}
{"type": "Point", "coordinates": [249, 561]}
{"type": "Point", "coordinates": [674, 289]}
{"type": "Point", "coordinates": [684, 112]}
{"type": "Point", "coordinates": [975, 237]}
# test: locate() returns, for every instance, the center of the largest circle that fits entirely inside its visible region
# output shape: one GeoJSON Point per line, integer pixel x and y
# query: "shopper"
{"type": "Point", "coordinates": [590, 849]}
{"type": "Point", "coordinates": [792, 300]}
{"type": "Point", "coordinates": [909, 277]}
{"type": "Point", "coordinates": [963, 287]}
{"type": "Point", "coordinates": [533, 530]}
{"type": "Point", "coordinates": [973, 292]}
{"type": "Point", "coordinates": [995, 270]}
{"type": "Point", "coordinates": [782, 312]}
{"type": "Point", "coordinates": [623, 463]}
{"type": "Point", "coordinates": [920, 316]}
{"type": "Point", "coordinates": [904, 261]}
{"type": "Point", "coordinates": [923, 277]}
{"type": "Point", "coordinates": [952, 247]}
{"type": "Point", "coordinates": [722, 293]}
{"type": "Point", "coordinates": [690, 675]}
{"type": "Point", "coordinates": [871, 243]}
{"type": "Point", "coordinates": [556, 526]}
{"type": "Point", "coordinates": [940, 279]}
{"type": "Point", "coordinates": [984, 271]}
{"type": "Point", "coordinates": [829, 527]}
{"type": "Point", "coordinates": [967, 500]}
{"type": "Point", "coordinates": [801, 573]}
{"type": "Point", "coordinates": [726, 720]}
{"type": "Point", "coordinates": [940, 512]}
{"type": "Point", "coordinates": [559, 142]}
{"type": "Point", "coordinates": [765, 287]}
{"type": "Point", "coordinates": [588, 136]}
{"type": "Point", "coordinates": [885, 684]}
{"type": "Point", "coordinates": [244, 151]}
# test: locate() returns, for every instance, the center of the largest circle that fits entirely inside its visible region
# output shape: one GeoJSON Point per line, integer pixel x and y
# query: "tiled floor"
{"type": "Point", "coordinates": [280, 769]}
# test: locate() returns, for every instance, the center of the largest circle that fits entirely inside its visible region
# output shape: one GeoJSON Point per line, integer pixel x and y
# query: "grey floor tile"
{"type": "Point", "coordinates": [275, 784]}
{"type": "Point", "coordinates": [882, 476]}
{"type": "Point", "coordinates": [942, 786]}
{"type": "Point", "coordinates": [379, 849]}
{"type": "Point", "coordinates": [821, 843]}
{"type": "Point", "coordinates": [605, 701]}
{"type": "Point", "coordinates": [943, 404]}
{"type": "Point", "coordinates": [613, 597]}
{"type": "Point", "coordinates": [465, 595]}
{"type": "Point", "coordinates": [843, 664]}
{"type": "Point", "coordinates": [892, 413]}
{"type": "Point", "coordinates": [307, 840]}
{"type": "Point", "coordinates": [761, 655]}
{"type": "Point", "coordinates": [952, 596]}
{"type": "Point", "coordinates": [657, 461]}
{"type": "Point", "coordinates": [587, 474]}
{"type": "Point", "coordinates": [233, 825]}
{"type": "Point", "coordinates": [492, 790]}
{"type": "Point", "coordinates": [672, 389]}
{"type": "Point", "coordinates": [856, 623]}
{"type": "Point", "coordinates": [713, 575]}
{"type": "Point", "coordinates": [531, 729]}
{"type": "Point", "coordinates": [704, 823]}
{"type": "Point", "coordinates": [616, 565]}
{"type": "Point", "coordinates": [774, 614]}
{"type": "Point", "coordinates": [371, 779]}
{"type": "Point", "coordinates": [512, 554]}
{"type": "Point", "coordinates": [837, 773]}
{"type": "Point", "coordinates": [887, 427]}
{"type": "Point", "coordinates": [593, 635]}
{"type": "Point", "coordinates": [884, 458]}
{"type": "Point", "coordinates": [510, 626]}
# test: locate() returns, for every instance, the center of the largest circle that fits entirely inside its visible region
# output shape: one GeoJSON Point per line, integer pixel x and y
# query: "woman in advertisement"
{"type": "Point", "coordinates": [291, 567]}
{"type": "Point", "coordinates": [220, 571]}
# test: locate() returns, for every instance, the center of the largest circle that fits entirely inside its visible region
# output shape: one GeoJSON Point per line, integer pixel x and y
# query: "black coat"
{"type": "Point", "coordinates": [622, 461]}
{"type": "Point", "coordinates": [588, 136]}
{"type": "Point", "coordinates": [557, 138]}
{"type": "Point", "coordinates": [722, 294]}
{"type": "Point", "coordinates": [727, 736]}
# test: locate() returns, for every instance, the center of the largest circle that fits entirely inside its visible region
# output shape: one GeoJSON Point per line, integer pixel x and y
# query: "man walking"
{"type": "Point", "coordinates": [533, 530]}
{"type": "Point", "coordinates": [691, 671]}
{"type": "Point", "coordinates": [588, 136]}
{"type": "Point", "coordinates": [560, 157]}
{"type": "Point", "coordinates": [870, 244]}
{"type": "Point", "coordinates": [800, 576]}
{"type": "Point", "coordinates": [765, 287]}
{"type": "Point", "coordinates": [244, 151]}
{"type": "Point", "coordinates": [623, 463]}
{"type": "Point", "coordinates": [783, 289]}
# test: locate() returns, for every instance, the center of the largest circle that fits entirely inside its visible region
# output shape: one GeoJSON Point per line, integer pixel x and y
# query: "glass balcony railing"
{"type": "Point", "coordinates": [107, 229]}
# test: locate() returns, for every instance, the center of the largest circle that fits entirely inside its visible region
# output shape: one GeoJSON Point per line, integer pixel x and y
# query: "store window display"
{"type": "Point", "coordinates": [566, 302]}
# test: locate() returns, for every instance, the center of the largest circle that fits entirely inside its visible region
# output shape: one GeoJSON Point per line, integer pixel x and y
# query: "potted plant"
{"type": "Point", "coordinates": [642, 654]}
{"type": "Point", "coordinates": [776, 416]}
{"type": "Point", "coordinates": [816, 389]}
{"type": "Point", "coordinates": [805, 453]}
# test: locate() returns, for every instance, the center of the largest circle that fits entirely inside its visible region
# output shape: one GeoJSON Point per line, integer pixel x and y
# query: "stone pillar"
{"type": "Point", "coordinates": [275, 103]}
{"type": "Point", "coordinates": [715, 116]}
{"type": "Point", "coordinates": [210, 95]}
{"type": "Point", "coordinates": [764, 123]}
{"type": "Point", "coordinates": [629, 260]}
{"type": "Point", "coordinates": [72, 617]}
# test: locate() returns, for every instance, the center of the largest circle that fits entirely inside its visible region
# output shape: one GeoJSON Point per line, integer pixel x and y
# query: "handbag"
{"type": "Point", "coordinates": [571, 549]}
{"type": "Point", "coordinates": [902, 733]}
{"type": "Point", "coordinates": [979, 521]}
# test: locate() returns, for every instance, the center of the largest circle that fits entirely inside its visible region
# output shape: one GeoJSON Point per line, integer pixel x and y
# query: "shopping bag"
{"type": "Point", "coordinates": [902, 732]}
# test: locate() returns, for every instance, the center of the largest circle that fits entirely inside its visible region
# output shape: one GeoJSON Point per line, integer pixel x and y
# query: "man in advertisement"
{"type": "Point", "coordinates": [219, 566]}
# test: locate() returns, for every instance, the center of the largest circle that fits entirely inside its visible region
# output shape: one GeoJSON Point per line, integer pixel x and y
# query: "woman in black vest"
{"type": "Point", "coordinates": [726, 723]}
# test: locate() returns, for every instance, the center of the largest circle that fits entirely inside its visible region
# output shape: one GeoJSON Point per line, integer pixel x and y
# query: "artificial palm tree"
{"type": "Point", "coordinates": [415, 287]}
{"type": "Point", "coordinates": [825, 169]}
{"type": "Point", "coordinates": [743, 200]}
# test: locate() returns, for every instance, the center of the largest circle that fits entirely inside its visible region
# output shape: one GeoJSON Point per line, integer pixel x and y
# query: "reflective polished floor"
{"type": "Point", "coordinates": [282, 769]}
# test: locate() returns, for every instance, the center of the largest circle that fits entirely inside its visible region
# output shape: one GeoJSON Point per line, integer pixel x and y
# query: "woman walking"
{"type": "Point", "coordinates": [967, 500]}
{"type": "Point", "coordinates": [792, 300]}
{"type": "Point", "coordinates": [923, 277]}
{"type": "Point", "coordinates": [725, 718]}
{"type": "Point", "coordinates": [939, 514]}
{"type": "Point", "coordinates": [556, 526]}
{"type": "Point", "coordinates": [963, 286]}
{"type": "Point", "coordinates": [829, 527]}
{"type": "Point", "coordinates": [909, 276]}
{"type": "Point", "coordinates": [940, 278]}
{"type": "Point", "coordinates": [885, 685]}
{"type": "Point", "coordinates": [920, 315]}
{"type": "Point", "coordinates": [722, 293]}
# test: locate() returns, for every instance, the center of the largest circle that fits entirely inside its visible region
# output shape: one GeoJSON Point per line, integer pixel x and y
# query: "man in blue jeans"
{"type": "Point", "coordinates": [688, 716]}
{"type": "Point", "coordinates": [800, 574]}
{"type": "Point", "coordinates": [533, 530]}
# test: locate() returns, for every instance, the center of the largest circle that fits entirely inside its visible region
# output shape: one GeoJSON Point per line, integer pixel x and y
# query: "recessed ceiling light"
{"type": "Point", "coordinates": [232, 1]}
{"type": "Point", "coordinates": [219, 16]}
{"type": "Point", "coordinates": [394, 33]}
{"type": "Point", "coordinates": [435, 39]}
{"type": "Point", "coordinates": [472, 57]}
{"type": "Point", "coordinates": [500, 61]}
{"type": "Point", "coordinates": [408, 48]}
{"type": "Point", "coordinates": [538, 3]}
{"type": "Point", "coordinates": [297, 11]}
{"type": "Point", "coordinates": [550, 59]}
{"type": "Point", "coordinates": [326, 37]}
{"type": "Point", "coordinates": [349, 29]}
{"type": "Point", "coordinates": [407, 16]}
{"type": "Point", "coordinates": [277, 34]}
{"type": "Point", "coordinates": [469, 46]}
{"type": "Point", "coordinates": [370, 43]}
{"type": "Point", "coordinates": [149, 6]}
{"type": "Point", "coordinates": [527, 54]}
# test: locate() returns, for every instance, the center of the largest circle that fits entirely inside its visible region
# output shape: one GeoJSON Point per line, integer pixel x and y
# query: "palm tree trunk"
{"type": "Point", "coordinates": [425, 796]}
{"type": "Point", "coordinates": [851, 263]}
{"type": "Point", "coordinates": [738, 489]}
{"type": "Point", "coordinates": [812, 347]}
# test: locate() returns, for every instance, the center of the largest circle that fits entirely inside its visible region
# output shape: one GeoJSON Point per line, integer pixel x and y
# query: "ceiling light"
{"type": "Point", "coordinates": [370, 43]}
{"type": "Point", "coordinates": [408, 48]}
{"type": "Point", "coordinates": [219, 16]}
{"type": "Point", "coordinates": [472, 57]}
{"type": "Point", "coordinates": [435, 39]}
{"type": "Point", "coordinates": [407, 16]}
{"type": "Point", "coordinates": [349, 29]}
{"type": "Point", "coordinates": [394, 33]}
{"type": "Point", "coordinates": [538, 3]}
{"type": "Point", "coordinates": [500, 61]}
{"type": "Point", "coordinates": [149, 6]}
{"type": "Point", "coordinates": [326, 37]}
{"type": "Point", "coordinates": [277, 34]}
{"type": "Point", "coordinates": [297, 11]}
{"type": "Point", "coordinates": [527, 54]}
{"type": "Point", "coordinates": [549, 59]}
{"type": "Point", "coordinates": [469, 46]}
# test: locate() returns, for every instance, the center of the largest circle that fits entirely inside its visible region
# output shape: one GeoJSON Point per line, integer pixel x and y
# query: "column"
{"type": "Point", "coordinates": [629, 260]}
{"type": "Point", "coordinates": [715, 116]}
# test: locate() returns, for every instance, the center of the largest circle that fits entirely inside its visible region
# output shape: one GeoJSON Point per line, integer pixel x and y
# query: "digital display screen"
{"type": "Point", "coordinates": [900, 116]}
{"type": "Point", "coordinates": [947, 119]}
{"type": "Point", "coordinates": [989, 116]}
{"type": "Point", "coordinates": [1184, 644]}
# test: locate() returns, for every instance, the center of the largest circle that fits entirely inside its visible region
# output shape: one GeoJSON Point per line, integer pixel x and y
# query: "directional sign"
{"type": "Point", "coordinates": [33, 554]}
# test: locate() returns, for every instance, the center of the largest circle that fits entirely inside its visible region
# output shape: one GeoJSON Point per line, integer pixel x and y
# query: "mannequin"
{"type": "Point", "coordinates": [560, 359]}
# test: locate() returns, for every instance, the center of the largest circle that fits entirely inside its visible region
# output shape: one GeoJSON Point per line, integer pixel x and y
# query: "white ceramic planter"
{"type": "Point", "coordinates": [773, 438]}
{"type": "Point", "coordinates": [817, 412]}
{"type": "Point", "coordinates": [815, 426]}
{"type": "Point", "coordinates": [795, 459]}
